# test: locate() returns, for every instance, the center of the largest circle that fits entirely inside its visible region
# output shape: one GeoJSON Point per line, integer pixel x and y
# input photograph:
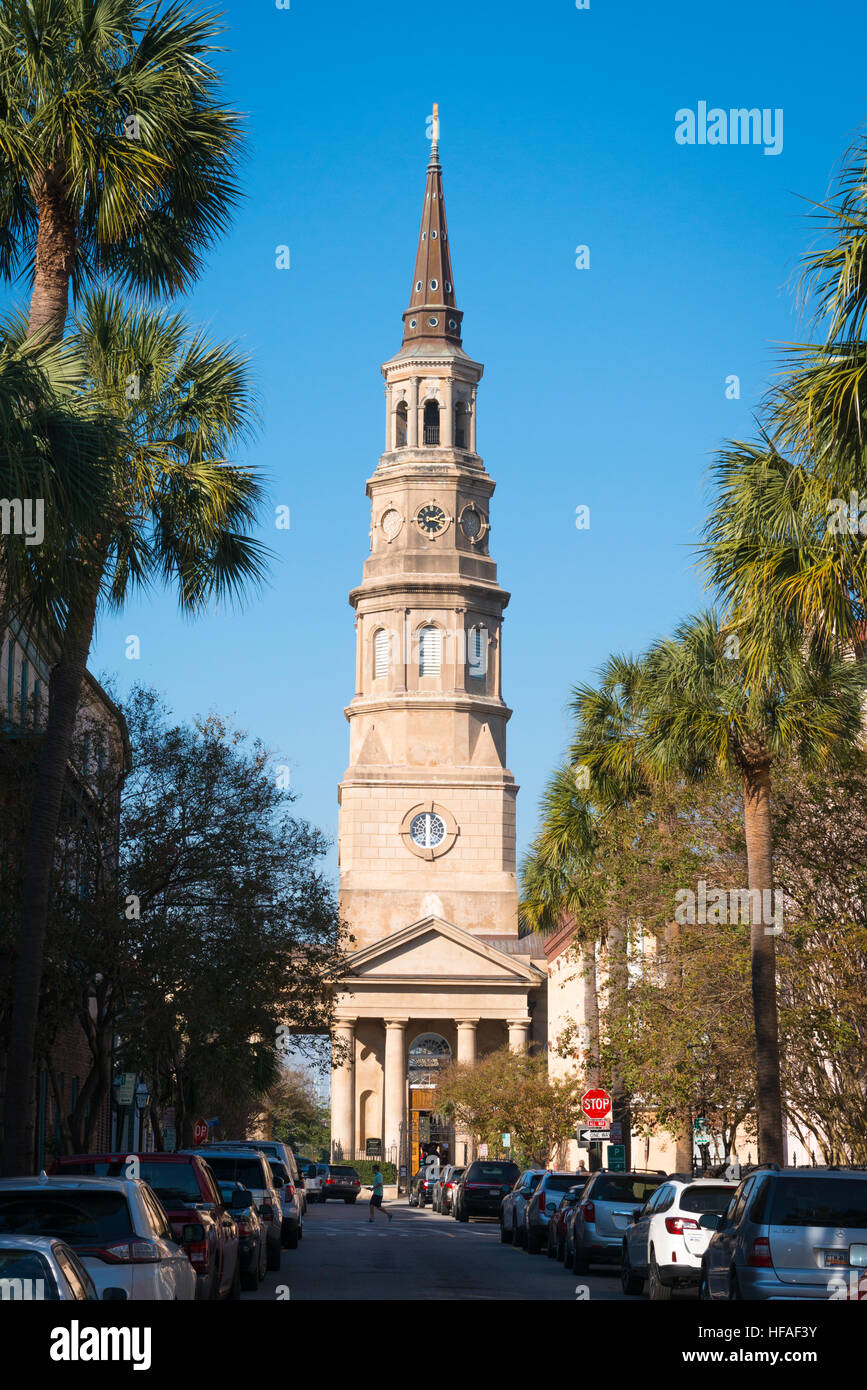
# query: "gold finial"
{"type": "Point", "coordinates": [436, 123]}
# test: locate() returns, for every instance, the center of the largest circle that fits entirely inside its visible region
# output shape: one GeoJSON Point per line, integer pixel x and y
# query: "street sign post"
{"type": "Point", "coordinates": [507, 1141]}
{"type": "Point", "coordinates": [596, 1105]}
{"type": "Point", "coordinates": [617, 1158]}
{"type": "Point", "coordinates": [125, 1088]}
{"type": "Point", "coordinates": [616, 1128]}
{"type": "Point", "coordinates": [483, 1151]}
{"type": "Point", "coordinates": [200, 1132]}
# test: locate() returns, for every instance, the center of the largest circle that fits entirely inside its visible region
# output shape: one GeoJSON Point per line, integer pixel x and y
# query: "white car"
{"type": "Point", "coordinates": [39, 1269]}
{"type": "Point", "coordinates": [314, 1176]}
{"type": "Point", "coordinates": [116, 1226]}
{"type": "Point", "coordinates": [665, 1242]}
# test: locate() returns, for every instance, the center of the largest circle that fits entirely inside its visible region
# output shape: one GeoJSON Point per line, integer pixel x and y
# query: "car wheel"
{"type": "Point", "coordinates": [735, 1289]}
{"type": "Point", "coordinates": [462, 1215]}
{"type": "Point", "coordinates": [656, 1290]}
{"type": "Point", "coordinates": [703, 1285]}
{"type": "Point", "coordinates": [580, 1262]}
{"type": "Point", "coordinates": [273, 1257]}
{"type": "Point", "coordinates": [250, 1280]}
{"type": "Point", "coordinates": [235, 1287]}
{"type": "Point", "coordinates": [505, 1235]}
{"type": "Point", "coordinates": [214, 1283]}
{"type": "Point", "coordinates": [630, 1282]}
{"type": "Point", "coordinates": [531, 1241]}
{"type": "Point", "coordinates": [561, 1250]}
{"type": "Point", "coordinates": [516, 1233]}
{"type": "Point", "coordinates": [292, 1239]}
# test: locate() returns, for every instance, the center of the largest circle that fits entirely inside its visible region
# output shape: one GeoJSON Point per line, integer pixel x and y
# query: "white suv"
{"type": "Point", "coordinates": [665, 1242]}
{"type": "Point", "coordinates": [116, 1226]}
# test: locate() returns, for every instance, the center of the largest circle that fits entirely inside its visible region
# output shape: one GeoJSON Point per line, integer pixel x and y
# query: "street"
{"type": "Point", "coordinates": [419, 1255]}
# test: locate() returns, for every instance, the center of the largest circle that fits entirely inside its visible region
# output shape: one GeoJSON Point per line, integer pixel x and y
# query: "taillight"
{"type": "Point", "coordinates": [244, 1227]}
{"type": "Point", "coordinates": [138, 1252]}
{"type": "Point", "coordinates": [588, 1211]}
{"type": "Point", "coordinates": [760, 1255]}
{"type": "Point", "coordinates": [678, 1224]}
{"type": "Point", "coordinates": [541, 1201]}
{"type": "Point", "coordinates": [290, 1189]}
{"type": "Point", "coordinates": [198, 1254]}
{"type": "Point", "coordinates": [329, 1180]}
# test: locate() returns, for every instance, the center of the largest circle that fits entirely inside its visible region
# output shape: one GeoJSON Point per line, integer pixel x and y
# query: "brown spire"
{"type": "Point", "coordinates": [432, 316]}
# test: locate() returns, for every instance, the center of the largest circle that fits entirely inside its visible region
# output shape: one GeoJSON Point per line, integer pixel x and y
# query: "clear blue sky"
{"type": "Point", "coordinates": [603, 387]}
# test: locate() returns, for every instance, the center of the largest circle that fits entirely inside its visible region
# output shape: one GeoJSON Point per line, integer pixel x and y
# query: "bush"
{"type": "Point", "coordinates": [364, 1169]}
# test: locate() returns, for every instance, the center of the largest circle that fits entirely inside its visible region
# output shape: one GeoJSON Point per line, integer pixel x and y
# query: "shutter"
{"type": "Point", "coordinates": [478, 652]}
{"type": "Point", "coordinates": [380, 653]}
{"type": "Point", "coordinates": [430, 651]}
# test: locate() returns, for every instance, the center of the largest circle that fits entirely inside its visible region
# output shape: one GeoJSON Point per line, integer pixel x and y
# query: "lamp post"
{"type": "Point", "coordinates": [142, 1097]}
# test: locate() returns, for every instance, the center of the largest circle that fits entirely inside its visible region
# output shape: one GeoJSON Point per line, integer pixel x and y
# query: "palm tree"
{"type": "Point", "coordinates": [116, 156]}
{"type": "Point", "coordinates": [177, 511]}
{"type": "Point", "coordinates": [699, 715]}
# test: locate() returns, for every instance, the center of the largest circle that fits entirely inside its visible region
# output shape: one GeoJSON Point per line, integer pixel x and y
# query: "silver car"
{"type": "Point", "coordinates": [39, 1268]}
{"type": "Point", "coordinates": [790, 1233]}
{"type": "Point", "coordinates": [538, 1211]}
{"type": "Point", "coordinates": [514, 1203]}
{"type": "Point", "coordinates": [596, 1226]}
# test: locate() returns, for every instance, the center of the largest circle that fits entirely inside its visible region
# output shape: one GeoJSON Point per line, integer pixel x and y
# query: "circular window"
{"type": "Point", "coordinates": [417, 286]}
{"type": "Point", "coordinates": [453, 323]}
{"type": "Point", "coordinates": [427, 830]}
{"type": "Point", "coordinates": [434, 284]}
{"type": "Point", "coordinates": [433, 322]}
{"type": "Point", "coordinates": [448, 286]}
{"type": "Point", "coordinates": [433, 234]}
{"type": "Point", "coordinates": [471, 523]}
{"type": "Point", "coordinates": [391, 523]}
{"type": "Point", "coordinates": [413, 323]}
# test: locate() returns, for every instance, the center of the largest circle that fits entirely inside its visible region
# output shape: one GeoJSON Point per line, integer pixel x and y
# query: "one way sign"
{"type": "Point", "coordinates": [586, 1136]}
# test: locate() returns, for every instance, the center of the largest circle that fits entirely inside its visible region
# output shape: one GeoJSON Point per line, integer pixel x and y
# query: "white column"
{"type": "Point", "coordinates": [466, 1053]}
{"type": "Point", "coordinates": [447, 431]}
{"type": "Point", "coordinates": [394, 1083]}
{"type": "Point", "coordinates": [389, 421]}
{"type": "Point", "coordinates": [472, 405]}
{"type": "Point", "coordinates": [519, 1034]}
{"type": "Point", "coordinates": [412, 421]}
{"type": "Point", "coordinates": [343, 1091]}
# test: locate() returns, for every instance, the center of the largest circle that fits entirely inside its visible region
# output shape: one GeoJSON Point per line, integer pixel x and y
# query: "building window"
{"type": "Point", "coordinates": [400, 421]}
{"type": "Point", "coordinates": [434, 284]}
{"type": "Point", "coordinates": [431, 420]}
{"type": "Point", "coordinates": [477, 653]}
{"type": "Point", "coordinates": [380, 654]}
{"type": "Point", "coordinates": [430, 651]}
{"type": "Point", "coordinates": [462, 421]}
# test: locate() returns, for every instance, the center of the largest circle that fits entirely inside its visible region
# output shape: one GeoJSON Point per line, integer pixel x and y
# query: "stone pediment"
{"type": "Point", "coordinates": [437, 951]}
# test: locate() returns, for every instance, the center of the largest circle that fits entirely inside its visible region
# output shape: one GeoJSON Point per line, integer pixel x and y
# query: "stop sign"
{"type": "Point", "coordinates": [200, 1132]}
{"type": "Point", "coordinates": [596, 1105]}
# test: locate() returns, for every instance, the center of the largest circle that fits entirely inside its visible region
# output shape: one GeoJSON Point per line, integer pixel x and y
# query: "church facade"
{"type": "Point", "coordinates": [427, 804]}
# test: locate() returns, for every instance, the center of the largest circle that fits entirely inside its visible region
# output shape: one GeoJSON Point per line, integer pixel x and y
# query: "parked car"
{"type": "Point", "coordinates": [116, 1226]}
{"type": "Point", "coordinates": [341, 1181]}
{"type": "Point", "coordinates": [436, 1199]}
{"type": "Point", "coordinates": [252, 1235]}
{"type": "Point", "coordinates": [47, 1270]}
{"type": "Point", "coordinates": [294, 1203]}
{"type": "Point", "coordinates": [513, 1204]}
{"type": "Point", "coordinates": [422, 1185]}
{"type": "Point", "coordinates": [314, 1175]}
{"type": "Point", "coordinates": [665, 1242]}
{"type": "Point", "coordinates": [595, 1227]}
{"type": "Point", "coordinates": [293, 1226]}
{"type": "Point", "coordinates": [482, 1188]}
{"type": "Point", "coordinates": [541, 1206]}
{"type": "Point", "coordinates": [192, 1200]}
{"type": "Point", "coordinates": [556, 1234]}
{"type": "Point", "coordinates": [449, 1189]}
{"type": "Point", "coordinates": [790, 1233]}
{"type": "Point", "coordinates": [249, 1168]}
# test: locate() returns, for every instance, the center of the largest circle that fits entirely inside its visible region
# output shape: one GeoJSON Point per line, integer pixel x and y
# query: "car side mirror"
{"type": "Point", "coordinates": [711, 1221]}
{"type": "Point", "coordinates": [278, 1182]}
{"type": "Point", "coordinates": [114, 1295]}
{"type": "Point", "coordinates": [636, 1215]}
{"type": "Point", "coordinates": [192, 1233]}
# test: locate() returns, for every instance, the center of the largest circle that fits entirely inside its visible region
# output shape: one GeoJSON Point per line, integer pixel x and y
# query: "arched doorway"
{"type": "Point", "coordinates": [430, 1135]}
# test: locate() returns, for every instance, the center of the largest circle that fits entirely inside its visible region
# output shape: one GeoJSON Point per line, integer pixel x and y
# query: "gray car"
{"type": "Point", "coordinates": [596, 1226]}
{"type": "Point", "coordinates": [790, 1233]}
{"type": "Point", "coordinates": [514, 1203]}
{"type": "Point", "coordinates": [538, 1211]}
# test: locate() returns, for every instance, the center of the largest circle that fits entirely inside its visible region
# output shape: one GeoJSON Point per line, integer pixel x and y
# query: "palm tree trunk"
{"type": "Point", "coordinates": [44, 816]}
{"type": "Point", "coordinates": [587, 968]}
{"type": "Point", "coordinates": [760, 871]}
{"type": "Point", "coordinates": [56, 245]}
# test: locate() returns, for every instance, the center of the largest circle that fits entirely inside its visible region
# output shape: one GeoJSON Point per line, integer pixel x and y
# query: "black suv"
{"type": "Point", "coordinates": [341, 1181]}
{"type": "Point", "coordinates": [483, 1187]}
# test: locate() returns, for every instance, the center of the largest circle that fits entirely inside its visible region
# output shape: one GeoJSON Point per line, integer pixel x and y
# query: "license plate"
{"type": "Point", "coordinates": [835, 1259]}
{"type": "Point", "coordinates": [858, 1256]}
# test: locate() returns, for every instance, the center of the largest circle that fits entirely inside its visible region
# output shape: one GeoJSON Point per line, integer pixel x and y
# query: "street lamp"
{"type": "Point", "coordinates": [142, 1096]}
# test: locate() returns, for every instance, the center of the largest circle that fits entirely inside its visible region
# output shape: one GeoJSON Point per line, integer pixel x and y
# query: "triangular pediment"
{"type": "Point", "coordinates": [437, 950]}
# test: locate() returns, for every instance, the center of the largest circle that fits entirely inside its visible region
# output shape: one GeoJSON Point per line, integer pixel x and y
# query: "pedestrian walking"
{"type": "Point", "coordinates": [376, 1195]}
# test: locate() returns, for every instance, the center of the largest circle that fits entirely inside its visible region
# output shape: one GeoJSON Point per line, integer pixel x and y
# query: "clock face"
{"type": "Point", "coordinates": [471, 523]}
{"type": "Point", "coordinates": [432, 520]}
{"type": "Point", "coordinates": [391, 523]}
{"type": "Point", "coordinates": [427, 829]}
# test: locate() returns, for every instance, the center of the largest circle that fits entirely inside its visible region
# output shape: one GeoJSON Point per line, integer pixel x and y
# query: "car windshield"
{"type": "Point", "coordinates": [557, 1183]}
{"type": "Point", "coordinates": [494, 1172]}
{"type": "Point", "coordinates": [278, 1169]}
{"type": "Point", "coordinates": [81, 1218]}
{"type": "Point", "coordinates": [706, 1198]}
{"type": "Point", "coordinates": [343, 1173]}
{"type": "Point", "coordinates": [29, 1265]}
{"type": "Point", "coordinates": [819, 1201]}
{"type": "Point", "coordinates": [170, 1181]}
{"type": "Point", "coordinates": [610, 1188]}
{"type": "Point", "coordinates": [246, 1171]}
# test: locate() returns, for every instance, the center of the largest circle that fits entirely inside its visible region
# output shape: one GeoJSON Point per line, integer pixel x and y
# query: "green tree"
{"type": "Point", "coordinates": [511, 1093]}
{"type": "Point", "coordinates": [178, 511]}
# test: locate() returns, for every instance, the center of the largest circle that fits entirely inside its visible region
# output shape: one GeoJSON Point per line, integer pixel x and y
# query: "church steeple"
{"type": "Point", "coordinates": [433, 315]}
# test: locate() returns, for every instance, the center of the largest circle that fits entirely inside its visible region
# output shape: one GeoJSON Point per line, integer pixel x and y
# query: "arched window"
{"type": "Point", "coordinates": [462, 426]}
{"type": "Point", "coordinates": [430, 651]}
{"type": "Point", "coordinates": [380, 653]}
{"type": "Point", "coordinates": [431, 422]}
{"type": "Point", "coordinates": [477, 653]}
{"type": "Point", "coordinates": [400, 419]}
